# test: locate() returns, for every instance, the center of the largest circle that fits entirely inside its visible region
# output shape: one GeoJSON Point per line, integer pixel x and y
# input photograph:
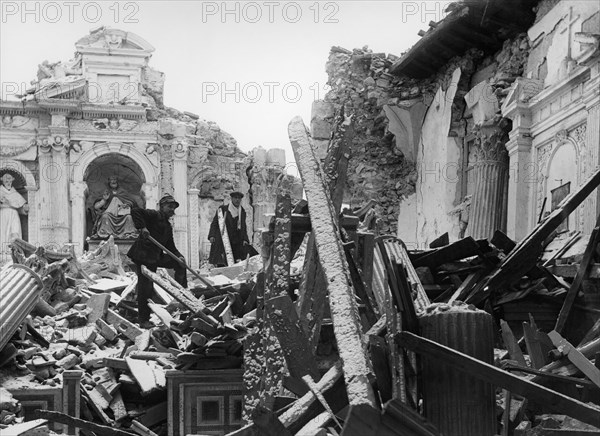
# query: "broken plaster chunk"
{"type": "Point", "coordinates": [8, 402]}
{"type": "Point", "coordinates": [456, 306]}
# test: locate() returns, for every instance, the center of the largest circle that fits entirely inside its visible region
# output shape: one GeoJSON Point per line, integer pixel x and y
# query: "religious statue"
{"type": "Point", "coordinates": [113, 211]}
{"type": "Point", "coordinates": [11, 205]}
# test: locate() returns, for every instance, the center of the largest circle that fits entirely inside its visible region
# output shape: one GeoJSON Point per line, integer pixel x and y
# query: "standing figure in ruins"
{"type": "Point", "coordinates": [113, 211]}
{"type": "Point", "coordinates": [11, 204]}
{"type": "Point", "coordinates": [155, 223]}
{"type": "Point", "coordinates": [228, 235]}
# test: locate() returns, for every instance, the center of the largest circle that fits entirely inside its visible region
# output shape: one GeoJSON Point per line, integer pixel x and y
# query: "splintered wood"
{"type": "Point", "coordinates": [344, 311]}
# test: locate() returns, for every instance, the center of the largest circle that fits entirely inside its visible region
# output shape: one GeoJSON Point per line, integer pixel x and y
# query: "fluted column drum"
{"type": "Point", "coordinates": [20, 289]}
{"type": "Point", "coordinates": [458, 404]}
{"type": "Point", "coordinates": [488, 206]}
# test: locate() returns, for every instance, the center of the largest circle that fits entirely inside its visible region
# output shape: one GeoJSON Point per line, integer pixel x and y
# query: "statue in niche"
{"type": "Point", "coordinates": [113, 212]}
{"type": "Point", "coordinates": [11, 205]}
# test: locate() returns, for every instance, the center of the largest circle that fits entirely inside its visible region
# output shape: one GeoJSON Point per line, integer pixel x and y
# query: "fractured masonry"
{"type": "Point", "coordinates": [380, 166]}
{"type": "Point", "coordinates": [392, 162]}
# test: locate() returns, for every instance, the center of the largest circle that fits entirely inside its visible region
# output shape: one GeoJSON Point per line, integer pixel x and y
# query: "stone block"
{"type": "Point", "coordinates": [276, 157]}
{"type": "Point", "coordinates": [106, 330]}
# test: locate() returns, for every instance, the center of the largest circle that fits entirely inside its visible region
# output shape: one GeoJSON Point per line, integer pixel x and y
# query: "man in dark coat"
{"type": "Point", "coordinates": [235, 226]}
{"type": "Point", "coordinates": [143, 252]}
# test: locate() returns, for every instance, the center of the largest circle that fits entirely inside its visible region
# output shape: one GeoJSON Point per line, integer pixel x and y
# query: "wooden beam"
{"type": "Point", "coordinates": [307, 407]}
{"type": "Point", "coordinates": [313, 298]}
{"type": "Point", "coordinates": [552, 401]}
{"type": "Point", "coordinates": [61, 418]}
{"type": "Point", "coordinates": [575, 356]}
{"type": "Point", "coordinates": [294, 344]}
{"type": "Point", "coordinates": [582, 273]}
{"type": "Point", "coordinates": [524, 256]}
{"type": "Point", "coordinates": [184, 296]}
{"type": "Point", "coordinates": [514, 351]}
{"type": "Point", "coordinates": [267, 423]}
{"type": "Point", "coordinates": [458, 250]}
{"type": "Point", "coordinates": [534, 348]}
{"type": "Point", "coordinates": [342, 299]}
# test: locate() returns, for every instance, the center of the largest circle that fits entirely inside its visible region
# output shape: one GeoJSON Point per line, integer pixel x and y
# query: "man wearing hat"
{"type": "Point", "coordinates": [229, 218]}
{"type": "Point", "coordinates": [143, 252]}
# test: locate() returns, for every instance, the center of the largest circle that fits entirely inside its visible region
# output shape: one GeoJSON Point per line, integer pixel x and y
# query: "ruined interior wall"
{"type": "Point", "coordinates": [381, 167]}
{"type": "Point", "coordinates": [553, 49]}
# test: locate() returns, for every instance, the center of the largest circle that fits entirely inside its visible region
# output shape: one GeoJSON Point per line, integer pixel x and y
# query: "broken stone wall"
{"type": "Point", "coordinates": [382, 159]}
{"type": "Point", "coordinates": [413, 137]}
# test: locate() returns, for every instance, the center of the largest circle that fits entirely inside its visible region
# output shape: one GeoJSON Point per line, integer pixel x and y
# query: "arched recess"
{"type": "Point", "coordinates": [129, 176]}
{"type": "Point", "coordinates": [79, 188]}
{"type": "Point", "coordinates": [562, 176]}
{"type": "Point", "coordinates": [28, 186]}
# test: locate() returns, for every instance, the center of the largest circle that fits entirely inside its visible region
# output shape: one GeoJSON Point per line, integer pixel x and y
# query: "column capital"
{"type": "Point", "coordinates": [490, 140]}
{"type": "Point", "coordinates": [180, 151]}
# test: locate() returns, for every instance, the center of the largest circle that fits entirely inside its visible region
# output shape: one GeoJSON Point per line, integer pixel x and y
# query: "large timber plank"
{"type": "Point", "coordinates": [342, 300]}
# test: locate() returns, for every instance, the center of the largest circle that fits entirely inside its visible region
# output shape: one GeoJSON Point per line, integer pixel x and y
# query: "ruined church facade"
{"type": "Point", "coordinates": [102, 114]}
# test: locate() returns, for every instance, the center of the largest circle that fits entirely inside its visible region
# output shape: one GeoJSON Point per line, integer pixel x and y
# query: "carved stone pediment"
{"type": "Point", "coordinates": [113, 39]}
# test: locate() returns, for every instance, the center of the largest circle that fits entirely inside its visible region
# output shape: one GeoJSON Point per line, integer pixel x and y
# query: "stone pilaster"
{"type": "Point", "coordinates": [180, 154]}
{"type": "Point", "coordinates": [193, 228]}
{"type": "Point", "coordinates": [47, 174]}
{"type": "Point", "coordinates": [490, 174]}
{"type": "Point", "coordinates": [77, 191]}
{"type": "Point", "coordinates": [591, 206]}
{"type": "Point", "coordinates": [33, 215]}
{"type": "Point", "coordinates": [521, 178]}
{"type": "Point", "coordinates": [60, 191]}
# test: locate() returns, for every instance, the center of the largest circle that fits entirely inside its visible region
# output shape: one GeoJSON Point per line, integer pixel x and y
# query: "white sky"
{"type": "Point", "coordinates": [205, 51]}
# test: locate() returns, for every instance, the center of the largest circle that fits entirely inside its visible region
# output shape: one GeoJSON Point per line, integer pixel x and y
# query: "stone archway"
{"type": "Point", "coordinates": [82, 167]}
{"type": "Point", "coordinates": [28, 188]}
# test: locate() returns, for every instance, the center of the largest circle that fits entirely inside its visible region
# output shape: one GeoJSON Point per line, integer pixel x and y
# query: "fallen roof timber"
{"type": "Point", "coordinates": [524, 256]}
{"type": "Point", "coordinates": [312, 299]}
{"type": "Point", "coordinates": [552, 400]}
{"type": "Point", "coordinates": [344, 310]}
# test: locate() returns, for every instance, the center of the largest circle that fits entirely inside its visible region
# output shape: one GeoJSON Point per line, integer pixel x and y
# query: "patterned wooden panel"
{"type": "Point", "coordinates": [46, 399]}
{"type": "Point", "coordinates": [204, 402]}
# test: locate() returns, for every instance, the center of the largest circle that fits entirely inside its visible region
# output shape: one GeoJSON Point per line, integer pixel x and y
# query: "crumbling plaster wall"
{"type": "Point", "coordinates": [410, 150]}
{"type": "Point", "coordinates": [382, 155]}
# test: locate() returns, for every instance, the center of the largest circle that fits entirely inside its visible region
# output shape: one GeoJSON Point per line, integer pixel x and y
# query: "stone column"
{"type": "Point", "coordinates": [193, 228]}
{"type": "Point", "coordinates": [181, 235]}
{"type": "Point", "coordinates": [490, 174]}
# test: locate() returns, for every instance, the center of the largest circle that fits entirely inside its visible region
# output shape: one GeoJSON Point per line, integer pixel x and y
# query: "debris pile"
{"type": "Point", "coordinates": [80, 320]}
{"type": "Point", "coordinates": [399, 363]}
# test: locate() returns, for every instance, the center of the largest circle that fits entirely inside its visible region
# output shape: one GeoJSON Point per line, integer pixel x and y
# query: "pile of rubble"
{"type": "Point", "coordinates": [80, 319]}
{"type": "Point", "coordinates": [399, 363]}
